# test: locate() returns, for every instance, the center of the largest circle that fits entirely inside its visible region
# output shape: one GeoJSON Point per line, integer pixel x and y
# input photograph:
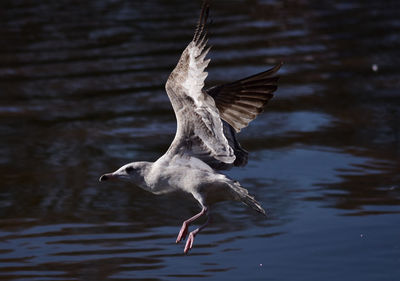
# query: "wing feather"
{"type": "Point", "coordinates": [241, 101]}
{"type": "Point", "coordinates": [200, 129]}
{"type": "Point", "coordinates": [207, 120]}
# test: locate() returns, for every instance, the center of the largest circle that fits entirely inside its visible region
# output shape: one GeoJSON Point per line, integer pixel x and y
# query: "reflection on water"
{"type": "Point", "coordinates": [82, 92]}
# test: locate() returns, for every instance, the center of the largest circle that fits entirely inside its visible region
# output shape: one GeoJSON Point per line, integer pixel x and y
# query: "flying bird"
{"type": "Point", "coordinates": [205, 141]}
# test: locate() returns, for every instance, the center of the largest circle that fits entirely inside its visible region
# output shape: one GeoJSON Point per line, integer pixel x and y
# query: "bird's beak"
{"type": "Point", "coordinates": [105, 177]}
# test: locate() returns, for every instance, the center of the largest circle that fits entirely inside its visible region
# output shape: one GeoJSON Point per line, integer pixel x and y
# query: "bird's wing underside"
{"type": "Point", "coordinates": [241, 101]}
{"type": "Point", "coordinates": [199, 130]}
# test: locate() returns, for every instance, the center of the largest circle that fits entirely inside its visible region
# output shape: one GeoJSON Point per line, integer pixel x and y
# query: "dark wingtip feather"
{"type": "Point", "coordinates": [268, 74]}
{"type": "Point", "coordinates": [250, 94]}
{"type": "Point", "coordinates": [200, 29]}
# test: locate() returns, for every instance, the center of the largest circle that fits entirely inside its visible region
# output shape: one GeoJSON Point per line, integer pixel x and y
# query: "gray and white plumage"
{"type": "Point", "coordinates": [205, 140]}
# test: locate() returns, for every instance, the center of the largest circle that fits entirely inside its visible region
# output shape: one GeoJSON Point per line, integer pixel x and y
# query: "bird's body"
{"type": "Point", "coordinates": [205, 141]}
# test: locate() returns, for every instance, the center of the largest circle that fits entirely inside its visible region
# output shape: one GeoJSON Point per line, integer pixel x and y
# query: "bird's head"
{"type": "Point", "coordinates": [132, 172]}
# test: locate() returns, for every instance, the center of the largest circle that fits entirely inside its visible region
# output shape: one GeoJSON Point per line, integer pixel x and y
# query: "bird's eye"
{"type": "Point", "coordinates": [129, 169]}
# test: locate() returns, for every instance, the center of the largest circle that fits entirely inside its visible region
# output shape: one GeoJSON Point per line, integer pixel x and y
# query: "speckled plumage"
{"type": "Point", "coordinates": [205, 140]}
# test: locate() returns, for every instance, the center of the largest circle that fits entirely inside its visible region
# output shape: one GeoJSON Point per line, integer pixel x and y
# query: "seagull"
{"type": "Point", "coordinates": [205, 141]}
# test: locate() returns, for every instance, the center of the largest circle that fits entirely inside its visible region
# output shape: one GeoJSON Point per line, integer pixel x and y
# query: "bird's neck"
{"type": "Point", "coordinates": [156, 176]}
{"type": "Point", "coordinates": [139, 178]}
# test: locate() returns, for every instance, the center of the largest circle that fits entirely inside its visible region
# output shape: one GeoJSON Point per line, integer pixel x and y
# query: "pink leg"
{"type": "Point", "coordinates": [189, 242]}
{"type": "Point", "coordinates": [184, 229]}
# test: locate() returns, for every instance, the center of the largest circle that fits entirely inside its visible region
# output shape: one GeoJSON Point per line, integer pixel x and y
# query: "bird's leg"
{"type": "Point", "coordinates": [184, 229]}
{"type": "Point", "coordinates": [189, 242]}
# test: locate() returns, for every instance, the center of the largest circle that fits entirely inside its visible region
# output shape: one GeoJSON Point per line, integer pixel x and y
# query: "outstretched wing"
{"type": "Point", "coordinates": [200, 130]}
{"type": "Point", "coordinates": [241, 101]}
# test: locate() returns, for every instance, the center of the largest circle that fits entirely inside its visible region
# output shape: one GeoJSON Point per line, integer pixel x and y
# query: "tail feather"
{"type": "Point", "coordinates": [243, 195]}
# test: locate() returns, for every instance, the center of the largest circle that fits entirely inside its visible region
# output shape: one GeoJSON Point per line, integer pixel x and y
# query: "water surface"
{"type": "Point", "coordinates": [82, 93]}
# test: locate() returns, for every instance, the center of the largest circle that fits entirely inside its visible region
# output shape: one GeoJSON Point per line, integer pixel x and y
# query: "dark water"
{"type": "Point", "coordinates": [82, 92]}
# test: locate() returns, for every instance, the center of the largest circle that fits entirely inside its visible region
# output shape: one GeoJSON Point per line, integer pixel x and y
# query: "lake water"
{"type": "Point", "coordinates": [82, 93]}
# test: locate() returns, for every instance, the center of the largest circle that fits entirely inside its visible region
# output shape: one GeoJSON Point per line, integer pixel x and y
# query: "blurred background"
{"type": "Point", "coordinates": [82, 93]}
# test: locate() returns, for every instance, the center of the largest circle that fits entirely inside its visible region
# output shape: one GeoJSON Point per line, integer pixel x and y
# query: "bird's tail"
{"type": "Point", "coordinates": [243, 195]}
